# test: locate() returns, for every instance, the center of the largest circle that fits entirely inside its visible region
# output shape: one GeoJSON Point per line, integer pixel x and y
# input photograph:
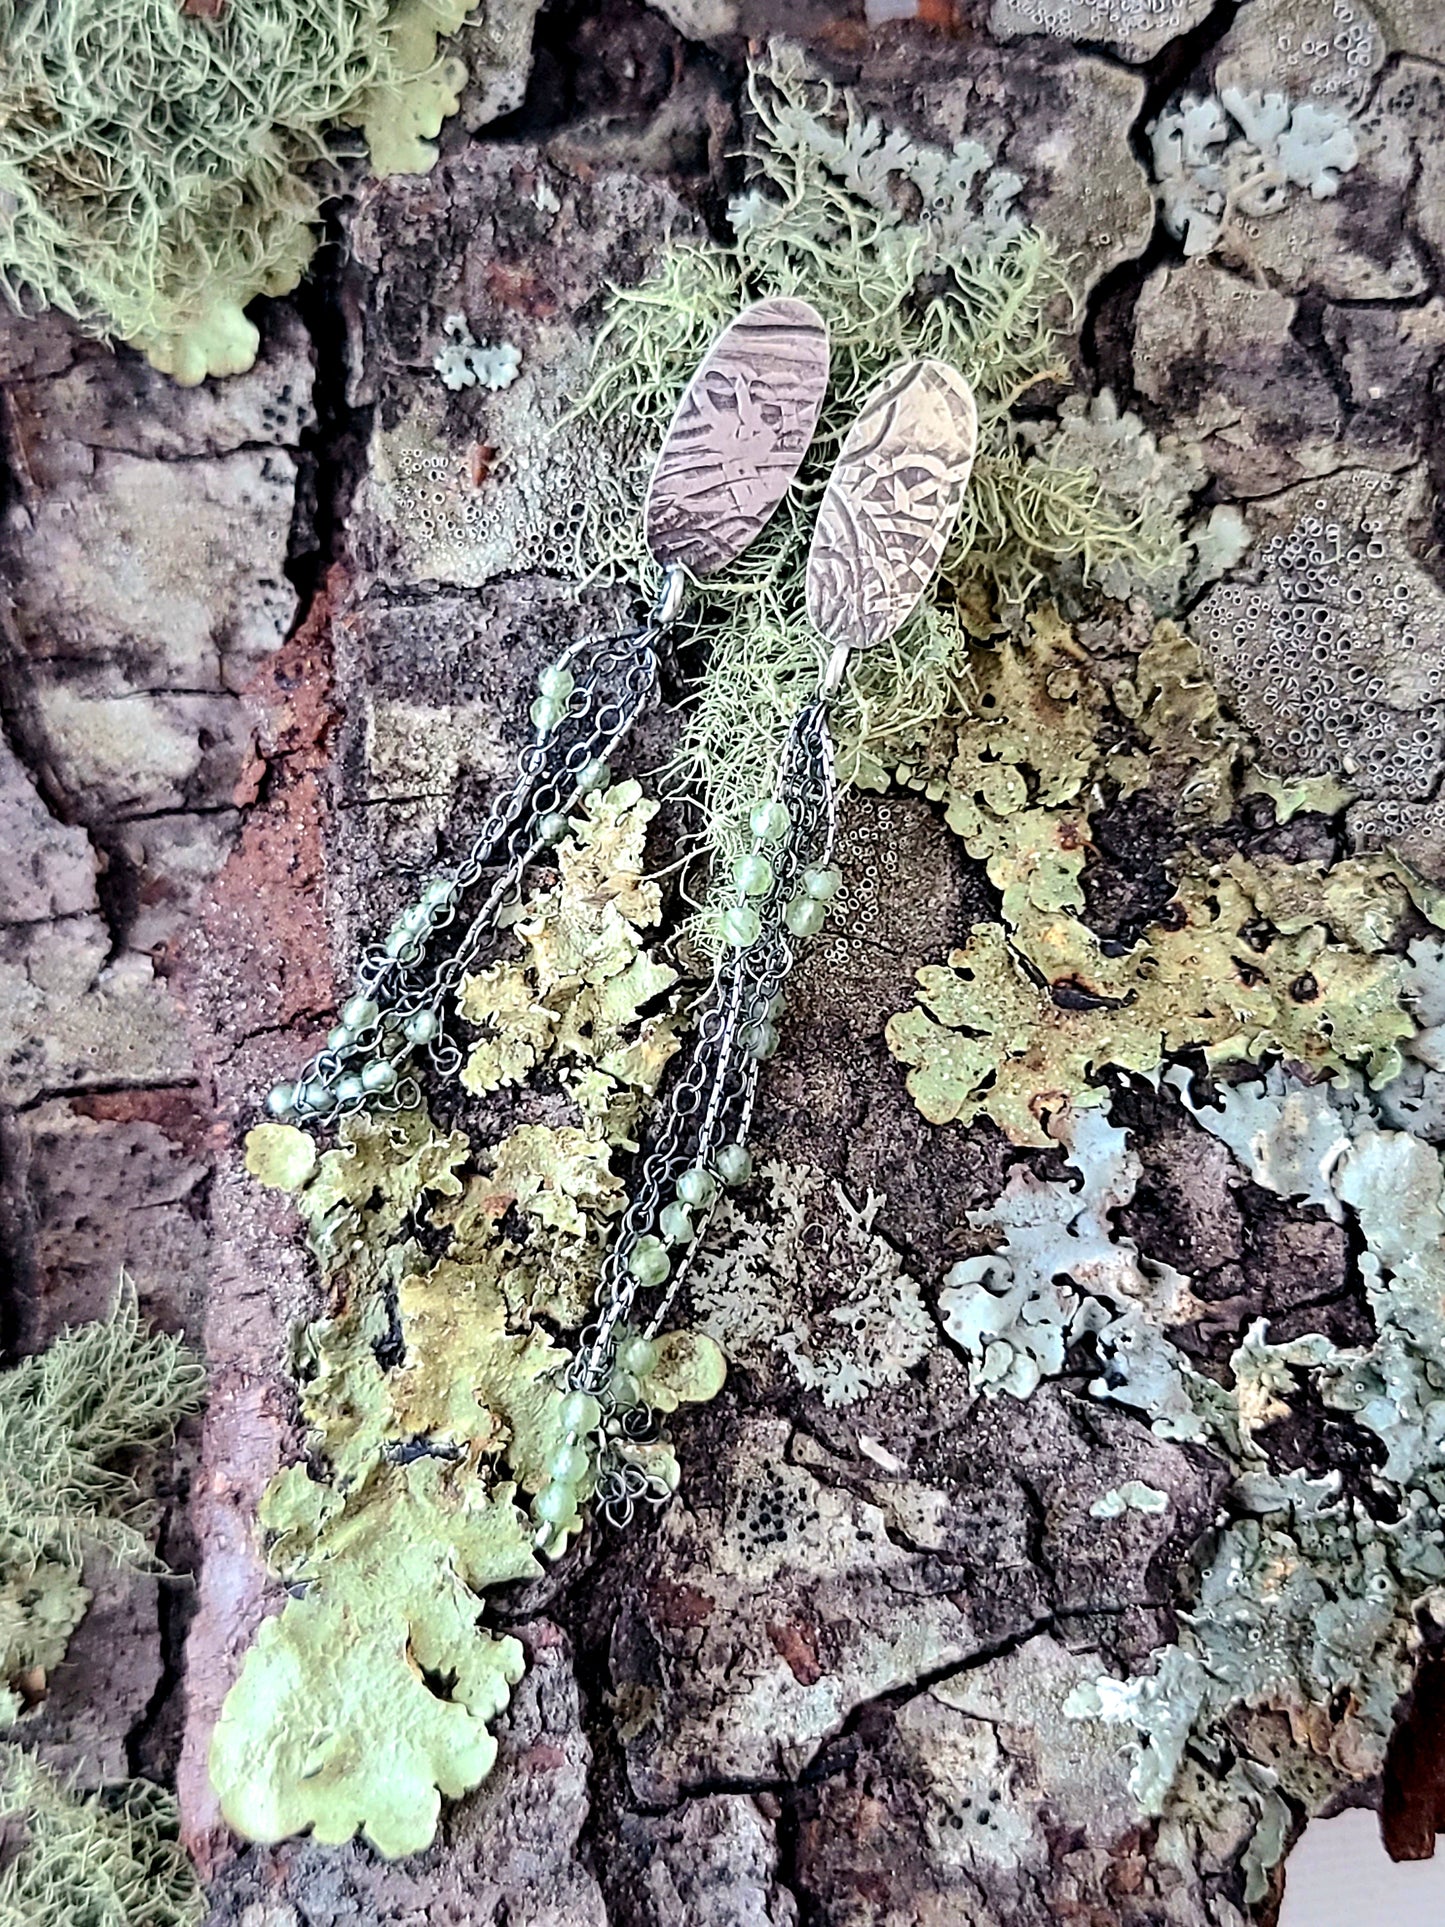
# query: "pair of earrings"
{"type": "Point", "coordinates": [734, 447]}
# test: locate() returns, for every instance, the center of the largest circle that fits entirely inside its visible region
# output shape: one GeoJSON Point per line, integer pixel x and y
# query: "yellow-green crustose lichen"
{"type": "Point", "coordinates": [433, 1393]}
{"type": "Point", "coordinates": [161, 165]}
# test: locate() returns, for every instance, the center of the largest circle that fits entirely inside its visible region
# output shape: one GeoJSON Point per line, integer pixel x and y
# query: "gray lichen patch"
{"type": "Point", "coordinates": [1332, 641]}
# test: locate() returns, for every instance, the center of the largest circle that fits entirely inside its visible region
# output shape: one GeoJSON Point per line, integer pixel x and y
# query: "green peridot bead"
{"type": "Point", "coordinates": [697, 1186]}
{"type": "Point", "coordinates": [421, 1027]}
{"type": "Point", "coordinates": [359, 1013]}
{"type": "Point", "coordinates": [580, 1412]}
{"type": "Point", "coordinates": [281, 1100]}
{"type": "Point", "coordinates": [770, 820]}
{"type": "Point", "coordinates": [676, 1224]}
{"type": "Point", "coordinates": [556, 1502]}
{"type": "Point", "coordinates": [568, 1465]}
{"type": "Point", "coordinates": [553, 827]}
{"type": "Point", "coordinates": [545, 714]}
{"type": "Point", "coordinates": [804, 917]}
{"type": "Point", "coordinates": [350, 1090]}
{"type": "Point", "coordinates": [379, 1076]}
{"type": "Point", "coordinates": [741, 925]}
{"type": "Point", "coordinates": [624, 1389]}
{"type": "Point", "coordinates": [637, 1355]}
{"type": "Point", "coordinates": [763, 1042]}
{"type": "Point", "coordinates": [556, 683]}
{"type": "Point", "coordinates": [649, 1263]}
{"type": "Point", "coordinates": [339, 1038]}
{"type": "Point", "coordinates": [823, 885]}
{"type": "Point", "coordinates": [595, 775]}
{"type": "Point", "coordinates": [734, 1164]}
{"type": "Point", "coordinates": [753, 874]}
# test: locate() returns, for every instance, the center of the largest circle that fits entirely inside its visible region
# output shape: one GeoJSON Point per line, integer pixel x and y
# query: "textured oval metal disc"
{"type": "Point", "coordinates": [891, 503]}
{"type": "Point", "coordinates": [739, 435]}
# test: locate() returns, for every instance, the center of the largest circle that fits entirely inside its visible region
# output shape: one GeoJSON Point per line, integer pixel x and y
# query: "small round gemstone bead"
{"type": "Point", "coordinates": [595, 775]}
{"type": "Point", "coordinates": [556, 683]}
{"type": "Point", "coordinates": [625, 1391]}
{"type": "Point", "coordinates": [734, 1164]}
{"type": "Point", "coordinates": [805, 917]}
{"type": "Point", "coordinates": [822, 885]}
{"type": "Point", "coordinates": [553, 827]}
{"type": "Point", "coordinates": [568, 1464]}
{"type": "Point", "coordinates": [770, 820]}
{"type": "Point", "coordinates": [580, 1412]}
{"type": "Point", "coordinates": [763, 1042]}
{"type": "Point", "coordinates": [637, 1355]}
{"type": "Point", "coordinates": [649, 1263]}
{"type": "Point", "coordinates": [556, 1502]}
{"type": "Point", "coordinates": [417, 920]}
{"type": "Point", "coordinates": [439, 892]}
{"type": "Point", "coordinates": [697, 1186]}
{"type": "Point", "coordinates": [676, 1224]}
{"type": "Point", "coordinates": [281, 1100]}
{"type": "Point", "coordinates": [359, 1013]}
{"type": "Point", "coordinates": [401, 943]}
{"type": "Point", "coordinates": [350, 1090]}
{"type": "Point", "coordinates": [338, 1037]}
{"type": "Point", "coordinates": [379, 1076]}
{"type": "Point", "coordinates": [545, 714]}
{"type": "Point", "coordinates": [741, 925]}
{"type": "Point", "coordinates": [753, 874]}
{"type": "Point", "coordinates": [315, 1098]}
{"type": "Point", "coordinates": [421, 1027]}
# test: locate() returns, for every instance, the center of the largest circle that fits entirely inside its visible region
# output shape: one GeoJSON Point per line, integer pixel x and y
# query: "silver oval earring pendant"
{"type": "Point", "coordinates": [891, 504]}
{"type": "Point", "coordinates": [739, 436]}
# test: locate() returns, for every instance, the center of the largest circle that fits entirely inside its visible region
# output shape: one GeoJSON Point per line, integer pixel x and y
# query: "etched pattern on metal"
{"type": "Point", "coordinates": [739, 435]}
{"type": "Point", "coordinates": [891, 503]}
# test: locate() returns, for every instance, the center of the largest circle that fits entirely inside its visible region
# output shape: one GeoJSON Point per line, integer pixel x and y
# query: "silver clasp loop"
{"type": "Point", "coordinates": [835, 669]}
{"type": "Point", "coordinates": [671, 593]}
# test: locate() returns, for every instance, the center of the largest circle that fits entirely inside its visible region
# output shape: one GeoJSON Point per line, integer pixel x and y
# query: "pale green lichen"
{"type": "Point", "coordinates": [160, 166]}
{"type": "Point", "coordinates": [464, 362]}
{"type": "Point", "coordinates": [106, 1859]}
{"type": "Point", "coordinates": [70, 1419]}
{"type": "Point", "coordinates": [1242, 154]}
{"type": "Point", "coordinates": [433, 1391]}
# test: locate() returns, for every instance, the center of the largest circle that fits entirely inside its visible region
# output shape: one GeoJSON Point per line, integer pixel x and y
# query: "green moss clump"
{"type": "Point", "coordinates": [158, 169]}
{"type": "Point", "coordinates": [67, 1416]}
{"type": "Point", "coordinates": [110, 1859]}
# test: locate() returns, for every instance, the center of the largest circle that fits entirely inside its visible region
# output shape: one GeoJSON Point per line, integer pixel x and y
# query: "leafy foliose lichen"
{"type": "Point", "coordinates": [807, 1276]}
{"type": "Point", "coordinates": [1249, 959]}
{"type": "Point", "coordinates": [433, 1389]}
{"type": "Point", "coordinates": [161, 165]}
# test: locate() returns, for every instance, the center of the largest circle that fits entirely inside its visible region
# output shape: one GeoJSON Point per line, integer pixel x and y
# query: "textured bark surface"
{"type": "Point", "coordinates": [265, 653]}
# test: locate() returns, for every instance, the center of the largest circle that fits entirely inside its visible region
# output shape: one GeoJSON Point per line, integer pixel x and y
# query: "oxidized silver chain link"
{"type": "Point", "coordinates": [698, 1144]}
{"type": "Point", "coordinates": [405, 985]}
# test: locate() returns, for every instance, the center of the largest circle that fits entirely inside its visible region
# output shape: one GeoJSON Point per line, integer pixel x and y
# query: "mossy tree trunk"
{"type": "Point", "coordinates": [267, 650]}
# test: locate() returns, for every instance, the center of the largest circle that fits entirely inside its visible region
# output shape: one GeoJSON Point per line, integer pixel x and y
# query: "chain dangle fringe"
{"type": "Point", "coordinates": [698, 1145]}
{"type": "Point", "coordinates": [405, 985]}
